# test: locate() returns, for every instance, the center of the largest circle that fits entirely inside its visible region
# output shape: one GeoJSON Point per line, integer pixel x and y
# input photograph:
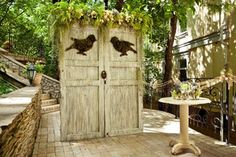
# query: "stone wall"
{"type": "Point", "coordinates": [13, 65]}
{"type": "Point", "coordinates": [51, 85]}
{"type": "Point", "coordinates": [18, 138]}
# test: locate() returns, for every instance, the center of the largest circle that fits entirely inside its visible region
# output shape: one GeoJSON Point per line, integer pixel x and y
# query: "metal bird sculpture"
{"type": "Point", "coordinates": [122, 46]}
{"type": "Point", "coordinates": [82, 45]}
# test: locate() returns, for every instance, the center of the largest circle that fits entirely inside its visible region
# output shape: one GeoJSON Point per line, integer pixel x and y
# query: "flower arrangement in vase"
{"type": "Point", "coordinates": [186, 90]}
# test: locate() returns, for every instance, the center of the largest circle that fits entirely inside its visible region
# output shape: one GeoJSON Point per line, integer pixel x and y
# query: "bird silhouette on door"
{"type": "Point", "coordinates": [122, 46]}
{"type": "Point", "coordinates": [82, 45]}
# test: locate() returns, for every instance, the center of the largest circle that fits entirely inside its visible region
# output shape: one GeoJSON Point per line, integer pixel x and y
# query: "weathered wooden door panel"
{"type": "Point", "coordinates": [82, 107]}
{"type": "Point", "coordinates": [123, 102]}
{"type": "Point", "coordinates": [84, 116]}
{"type": "Point", "coordinates": [123, 89]}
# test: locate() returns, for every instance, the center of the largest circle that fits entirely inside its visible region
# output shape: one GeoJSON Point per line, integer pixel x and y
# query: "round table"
{"type": "Point", "coordinates": [184, 142]}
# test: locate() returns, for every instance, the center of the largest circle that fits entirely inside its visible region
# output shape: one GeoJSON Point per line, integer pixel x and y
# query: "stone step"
{"type": "Point", "coordinates": [49, 102]}
{"type": "Point", "coordinates": [49, 109]}
{"type": "Point", "coordinates": [45, 96]}
{"type": "Point", "coordinates": [46, 92]}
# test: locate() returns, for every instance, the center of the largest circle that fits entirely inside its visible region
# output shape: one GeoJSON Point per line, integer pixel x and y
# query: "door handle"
{"type": "Point", "coordinates": [104, 75]}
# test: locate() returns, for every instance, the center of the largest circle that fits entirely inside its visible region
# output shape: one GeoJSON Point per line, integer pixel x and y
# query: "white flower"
{"type": "Point", "coordinates": [93, 14]}
{"type": "Point", "coordinates": [128, 18]}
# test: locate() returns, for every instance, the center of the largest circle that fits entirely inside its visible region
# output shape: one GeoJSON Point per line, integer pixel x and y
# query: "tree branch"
{"type": "Point", "coordinates": [20, 13]}
{"type": "Point", "coordinates": [106, 4]}
{"type": "Point", "coordinates": [5, 15]}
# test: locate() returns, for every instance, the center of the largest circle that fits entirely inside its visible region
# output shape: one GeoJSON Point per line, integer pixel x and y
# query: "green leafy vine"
{"type": "Point", "coordinates": [64, 14]}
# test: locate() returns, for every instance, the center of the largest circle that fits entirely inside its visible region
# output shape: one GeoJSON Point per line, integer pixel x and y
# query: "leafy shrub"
{"type": "Point", "coordinates": [39, 67]}
{"type": "Point", "coordinates": [5, 87]}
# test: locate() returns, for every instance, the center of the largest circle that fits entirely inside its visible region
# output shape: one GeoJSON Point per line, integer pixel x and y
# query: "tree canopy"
{"type": "Point", "coordinates": [26, 23]}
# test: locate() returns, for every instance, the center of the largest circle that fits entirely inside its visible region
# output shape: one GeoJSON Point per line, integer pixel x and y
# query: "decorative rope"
{"type": "Point", "coordinates": [228, 77]}
{"type": "Point", "coordinates": [159, 85]}
{"type": "Point", "coordinates": [225, 76]}
{"type": "Point", "coordinates": [233, 78]}
{"type": "Point", "coordinates": [209, 83]}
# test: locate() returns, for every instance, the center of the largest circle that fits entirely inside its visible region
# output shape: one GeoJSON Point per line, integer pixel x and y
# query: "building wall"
{"type": "Point", "coordinates": [203, 22]}
{"type": "Point", "coordinates": [232, 41]}
{"type": "Point", "coordinates": [204, 62]}
{"type": "Point", "coordinates": [202, 45]}
{"type": "Point", "coordinates": [199, 62]}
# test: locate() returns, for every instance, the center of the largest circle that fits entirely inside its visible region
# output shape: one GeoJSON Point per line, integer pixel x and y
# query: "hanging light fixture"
{"type": "Point", "coordinates": [31, 72]}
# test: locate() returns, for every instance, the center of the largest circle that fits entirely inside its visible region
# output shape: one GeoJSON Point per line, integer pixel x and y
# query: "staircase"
{"type": "Point", "coordinates": [14, 69]}
{"type": "Point", "coordinates": [50, 87]}
{"type": "Point", "coordinates": [49, 104]}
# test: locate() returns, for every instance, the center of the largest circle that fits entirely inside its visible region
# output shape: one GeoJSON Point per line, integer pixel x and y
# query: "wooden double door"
{"type": "Point", "coordinates": [102, 90]}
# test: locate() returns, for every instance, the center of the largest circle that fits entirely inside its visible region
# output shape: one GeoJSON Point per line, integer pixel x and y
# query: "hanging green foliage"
{"type": "Point", "coordinates": [64, 14]}
{"type": "Point", "coordinates": [5, 87]}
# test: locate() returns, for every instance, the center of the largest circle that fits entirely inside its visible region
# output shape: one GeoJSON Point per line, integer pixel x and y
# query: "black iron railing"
{"type": "Point", "coordinates": [207, 118]}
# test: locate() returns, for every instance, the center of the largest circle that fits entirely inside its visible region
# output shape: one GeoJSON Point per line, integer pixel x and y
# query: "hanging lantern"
{"type": "Point", "coordinates": [31, 72]}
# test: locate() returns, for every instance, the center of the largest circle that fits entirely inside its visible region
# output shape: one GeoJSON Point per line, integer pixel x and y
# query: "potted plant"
{"type": "Point", "coordinates": [39, 68]}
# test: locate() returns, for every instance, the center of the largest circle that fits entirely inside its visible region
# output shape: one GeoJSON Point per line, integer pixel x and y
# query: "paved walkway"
{"type": "Point", "coordinates": [159, 129]}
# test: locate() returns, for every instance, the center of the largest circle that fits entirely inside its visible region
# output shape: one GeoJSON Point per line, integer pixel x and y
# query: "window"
{"type": "Point", "coordinates": [182, 63]}
{"type": "Point", "coordinates": [183, 69]}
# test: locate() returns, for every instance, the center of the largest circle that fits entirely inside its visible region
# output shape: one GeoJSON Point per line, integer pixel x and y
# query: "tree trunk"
{"type": "Point", "coordinates": [168, 51]}
{"type": "Point", "coordinates": [106, 4]}
{"type": "Point", "coordinates": [119, 5]}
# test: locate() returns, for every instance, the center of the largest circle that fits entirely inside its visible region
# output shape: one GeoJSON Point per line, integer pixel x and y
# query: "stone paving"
{"type": "Point", "coordinates": [159, 128]}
